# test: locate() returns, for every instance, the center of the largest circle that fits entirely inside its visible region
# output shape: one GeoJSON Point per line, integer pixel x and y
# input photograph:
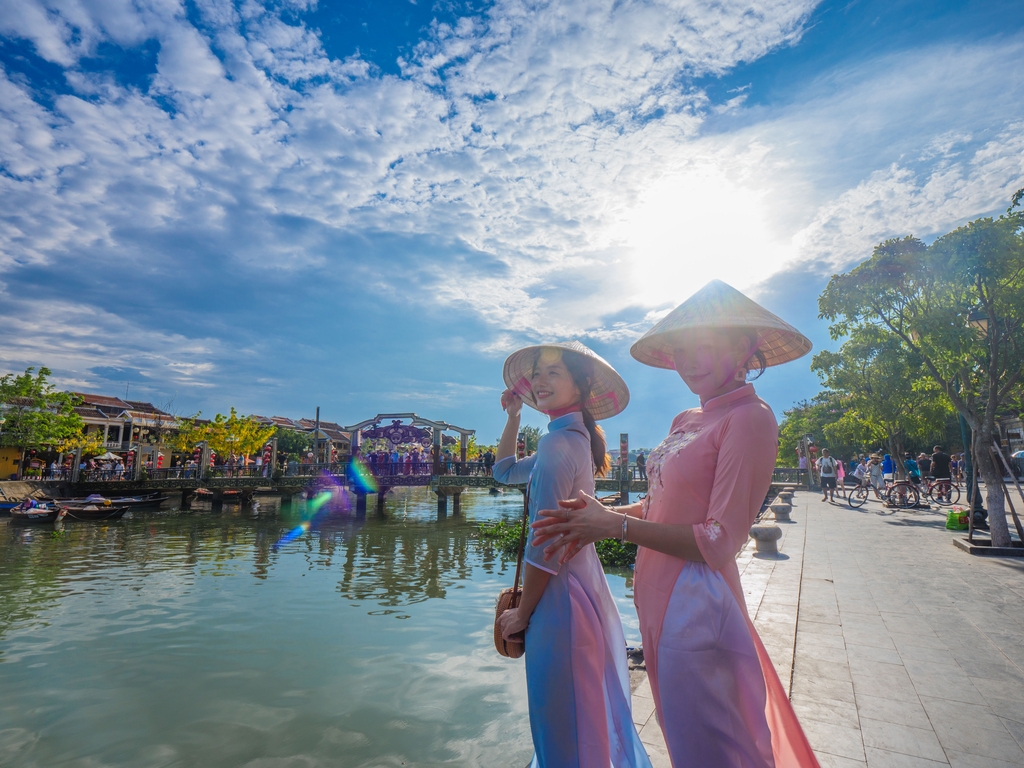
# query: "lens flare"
{"type": "Point", "coordinates": [331, 498]}
{"type": "Point", "coordinates": [361, 477]}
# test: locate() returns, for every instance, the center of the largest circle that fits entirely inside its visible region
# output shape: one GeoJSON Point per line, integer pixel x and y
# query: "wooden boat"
{"type": "Point", "coordinates": [203, 493]}
{"type": "Point", "coordinates": [31, 512]}
{"type": "Point", "coordinates": [97, 502]}
{"type": "Point", "coordinates": [97, 512]}
{"type": "Point", "coordinates": [152, 499]}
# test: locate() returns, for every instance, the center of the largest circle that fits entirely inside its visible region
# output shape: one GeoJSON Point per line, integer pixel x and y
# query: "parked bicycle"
{"type": "Point", "coordinates": [943, 492]}
{"type": "Point", "coordinates": [903, 494]}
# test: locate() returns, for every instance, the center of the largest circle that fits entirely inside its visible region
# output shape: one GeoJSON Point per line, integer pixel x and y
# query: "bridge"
{"type": "Point", "coordinates": [428, 464]}
{"type": "Point", "coordinates": [451, 482]}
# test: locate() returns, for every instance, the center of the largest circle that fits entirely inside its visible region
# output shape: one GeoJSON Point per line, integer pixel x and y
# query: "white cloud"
{"type": "Point", "coordinates": [541, 166]}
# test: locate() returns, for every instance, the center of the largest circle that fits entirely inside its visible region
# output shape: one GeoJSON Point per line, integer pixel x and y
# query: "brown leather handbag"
{"type": "Point", "coordinates": [509, 598]}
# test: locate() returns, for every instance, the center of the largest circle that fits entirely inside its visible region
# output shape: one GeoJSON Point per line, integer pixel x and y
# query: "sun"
{"type": "Point", "coordinates": [694, 226]}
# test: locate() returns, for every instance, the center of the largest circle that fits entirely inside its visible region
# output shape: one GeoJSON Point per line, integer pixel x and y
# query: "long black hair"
{"type": "Point", "coordinates": [581, 368]}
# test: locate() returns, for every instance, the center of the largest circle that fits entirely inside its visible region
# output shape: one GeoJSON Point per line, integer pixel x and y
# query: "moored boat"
{"type": "Point", "coordinates": [32, 512]}
{"type": "Point", "coordinates": [97, 502]}
{"type": "Point", "coordinates": [97, 512]}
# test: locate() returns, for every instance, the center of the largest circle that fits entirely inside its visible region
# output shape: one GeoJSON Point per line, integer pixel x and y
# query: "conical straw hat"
{"type": "Point", "coordinates": [719, 305]}
{"type": "Point", "coordinates": [609, 394]}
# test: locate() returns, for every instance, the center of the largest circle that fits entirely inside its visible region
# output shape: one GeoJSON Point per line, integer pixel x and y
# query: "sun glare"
{"type": "Point", "coordinates": [697, 226]}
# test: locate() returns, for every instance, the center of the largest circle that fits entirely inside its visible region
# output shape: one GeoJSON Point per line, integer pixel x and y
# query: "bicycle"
{"type": "Point", "coordinates": [902, 494]}
{"type": "Point", "coordinates": [858, 496]}
{"type": "Point", "coordinates": [943, 491]}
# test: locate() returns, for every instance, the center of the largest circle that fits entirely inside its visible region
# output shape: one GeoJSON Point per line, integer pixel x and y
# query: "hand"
{"type": "Point", "coordinates": [511, 403]}
{"type": "Point", "coordinates": [510, 623]}
{"type": "Point", "coordinates": [575, 524]}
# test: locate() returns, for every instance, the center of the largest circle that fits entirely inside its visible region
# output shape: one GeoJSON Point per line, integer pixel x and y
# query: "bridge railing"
{"type": "Point", "coordinates": [789, 475]}
{"type": "Point", "coordinates": [380, 470]}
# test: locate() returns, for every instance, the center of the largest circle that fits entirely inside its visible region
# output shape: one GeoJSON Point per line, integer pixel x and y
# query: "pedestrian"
{"type": "Point", "coordinates": [888, 468]}
{"type": "Point", "coordinates": [641, 465]}
{"type": "Point", "coordinates": [578, 689]}
{"type": "Point", "coordinates": [719, 700]}
{"type": "Point", "coordinates": [924, 463]}
{"type": "Point", "coordinates": [942, 471]}
{"type": "Point", "coordinates": [828, 469]}
{"type": "Point", "coordinates": [913, 471]}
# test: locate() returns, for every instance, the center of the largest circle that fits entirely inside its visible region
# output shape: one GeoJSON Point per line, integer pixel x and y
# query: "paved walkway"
{"type": "Point", "coordinates": [901, 649]}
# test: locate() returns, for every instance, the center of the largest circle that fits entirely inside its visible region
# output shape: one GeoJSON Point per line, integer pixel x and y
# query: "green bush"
{"type": "Point", "coordinates": [615, 554]}
{"type": "Point", "coordinates": [505, 535]}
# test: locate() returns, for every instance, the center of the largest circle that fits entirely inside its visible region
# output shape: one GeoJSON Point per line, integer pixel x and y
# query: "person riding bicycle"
{"type": "Point", "coordinates": [888, 467]}
{"type": "Point", "coordinates": [860, 471]}
{"type": "Point", "coordinates": [913, 471]}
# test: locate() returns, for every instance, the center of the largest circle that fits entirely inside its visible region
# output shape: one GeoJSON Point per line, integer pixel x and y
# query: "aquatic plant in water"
{"type": "Point", "coordinates": [504, 534]}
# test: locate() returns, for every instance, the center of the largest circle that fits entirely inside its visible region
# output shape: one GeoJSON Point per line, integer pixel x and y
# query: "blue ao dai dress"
{"type": "Point", "coordinates": [576, 672]}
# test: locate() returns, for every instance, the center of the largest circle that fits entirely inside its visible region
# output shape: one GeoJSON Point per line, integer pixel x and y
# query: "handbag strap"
{"type": "Point", "coordinates": [526, 516]}
{"type": "Point", "coordinates": [522, 538]}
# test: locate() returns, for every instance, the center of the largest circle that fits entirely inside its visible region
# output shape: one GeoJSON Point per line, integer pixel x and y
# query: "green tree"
{"type": "Point", "coordinates": [531, 436]}
{"type": "Point", "coordinates": [815, 417]}
{"type": "Point", "coordinates": [884, 394]}
{"type": "Point", "coordinates": [291, 442]}
{"type": "Point", "coordinates": [36, 415]}
{"type": "Point", "coordinates": [958, 305]}
{"type": "Point", "coordinates": [233, 433]}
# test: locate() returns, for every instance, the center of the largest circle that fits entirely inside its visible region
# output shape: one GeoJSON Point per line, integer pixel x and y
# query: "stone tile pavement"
{"type": "Point", "coordinates": [900, 649]}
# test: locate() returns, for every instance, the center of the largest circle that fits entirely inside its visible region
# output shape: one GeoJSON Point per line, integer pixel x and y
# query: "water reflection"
{"type": "Point", "coordinates": [184, 638]}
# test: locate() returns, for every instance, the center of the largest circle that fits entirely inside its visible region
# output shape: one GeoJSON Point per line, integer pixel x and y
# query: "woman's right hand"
{"type": "Point", "coordinates": [511, 403]}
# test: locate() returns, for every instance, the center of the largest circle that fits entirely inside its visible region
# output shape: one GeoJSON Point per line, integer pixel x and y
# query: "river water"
{"type": "Point", "coordinates": [186, 639]}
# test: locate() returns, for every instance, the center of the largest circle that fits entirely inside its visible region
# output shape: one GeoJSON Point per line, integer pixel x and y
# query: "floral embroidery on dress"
{"type": "Point", "coordinates": [669, 447]}
{"type": "Point", "coordinates": [712, 529]}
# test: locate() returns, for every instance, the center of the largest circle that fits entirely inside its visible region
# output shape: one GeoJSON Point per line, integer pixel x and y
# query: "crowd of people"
{"type": "Point", "coordinates": [875, 470]}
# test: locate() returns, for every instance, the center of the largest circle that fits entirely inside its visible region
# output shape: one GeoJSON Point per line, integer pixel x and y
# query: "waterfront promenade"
{"type": "Point", "coordinates": [899, 650]}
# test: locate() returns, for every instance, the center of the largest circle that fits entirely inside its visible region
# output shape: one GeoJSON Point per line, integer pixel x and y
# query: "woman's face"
{"type": "Point", "coordinates": [707, 361]}
{"type": "Point", "coordinates": [552, 385]}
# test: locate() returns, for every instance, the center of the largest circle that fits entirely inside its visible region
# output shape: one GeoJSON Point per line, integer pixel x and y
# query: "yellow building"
{"type": "Point", "coordinates": [9, 458]}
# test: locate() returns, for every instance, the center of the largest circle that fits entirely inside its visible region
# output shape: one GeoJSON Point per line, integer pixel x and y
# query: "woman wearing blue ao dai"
{"type": "Point", "coordinates": [576, 671]}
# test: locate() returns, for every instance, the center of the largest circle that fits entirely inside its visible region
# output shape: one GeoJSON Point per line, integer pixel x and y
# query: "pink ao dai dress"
{"type": "Point", "coordinates": [719, 700]}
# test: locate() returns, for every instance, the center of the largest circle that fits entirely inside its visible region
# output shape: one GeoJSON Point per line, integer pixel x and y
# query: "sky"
{"type": "Point", "coordinates": [366, 206]}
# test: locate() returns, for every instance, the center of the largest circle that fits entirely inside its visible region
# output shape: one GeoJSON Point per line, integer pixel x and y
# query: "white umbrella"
{"type": "Point", "coordinates": [108, 456]}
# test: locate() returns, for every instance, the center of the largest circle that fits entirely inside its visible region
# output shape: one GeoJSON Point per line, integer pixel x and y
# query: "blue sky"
{"type": "Point", "coordinates": [367, 205]}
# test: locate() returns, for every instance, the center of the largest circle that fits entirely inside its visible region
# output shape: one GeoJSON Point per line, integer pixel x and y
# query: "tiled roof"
{"type": "Point", "coordinates": [103, 400]}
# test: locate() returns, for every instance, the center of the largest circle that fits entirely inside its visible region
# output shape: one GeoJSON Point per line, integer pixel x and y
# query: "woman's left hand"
{"type": "Point", "coordinates": [575, 524]}
{"type": "Point", "coordinates": [511, 622]}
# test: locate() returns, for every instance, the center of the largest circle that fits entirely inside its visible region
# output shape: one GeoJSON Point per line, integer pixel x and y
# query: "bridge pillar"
{"type": "Point", "coordinates": [360, 504]}
{"type": "Point", "coordinates": [381, 495]}
{"type": "Point", "coordinates": [185, 500]}
{"type": "Point", "coordinates": [442, 504]}
{"type": "Point", "coordinates": [457, 503]}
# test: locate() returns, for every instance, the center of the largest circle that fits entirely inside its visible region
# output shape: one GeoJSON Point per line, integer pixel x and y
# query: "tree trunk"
{"type": "Point", "coordinates": [993, 475]}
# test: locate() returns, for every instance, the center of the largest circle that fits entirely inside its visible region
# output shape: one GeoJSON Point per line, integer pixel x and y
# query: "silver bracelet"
{"type": "Point", "coordinates": [625, 520]}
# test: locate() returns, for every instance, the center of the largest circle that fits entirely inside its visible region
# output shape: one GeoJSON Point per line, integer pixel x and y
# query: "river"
{"type": "Point", "coordinates": [186, 638]}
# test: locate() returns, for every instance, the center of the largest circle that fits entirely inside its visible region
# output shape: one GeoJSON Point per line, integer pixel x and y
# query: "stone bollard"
{"type": "Point", "coordinates": [766, 537]}
{"type": "Point", "coordinates": [786, 497]}
{"type": "Point", "coordinates": [781, 511]}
